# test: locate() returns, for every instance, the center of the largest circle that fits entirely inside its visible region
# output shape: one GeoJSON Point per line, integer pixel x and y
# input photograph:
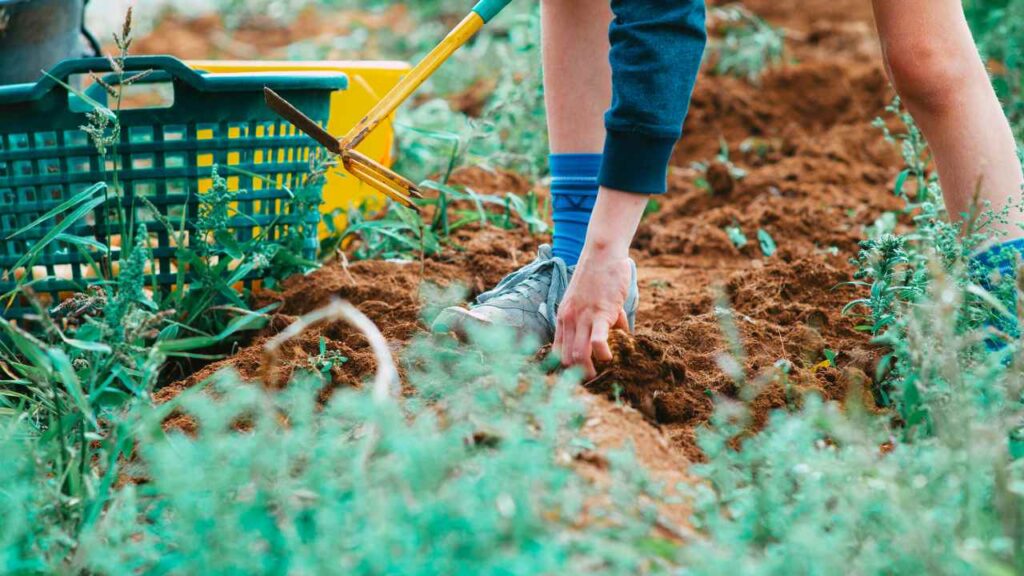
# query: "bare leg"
{"type": "Point", "coordinates": [577, 91]}
{"type": "Point", "coordinates": [577, 75]}
{"type": "Point", "coordinates": [934, 65]}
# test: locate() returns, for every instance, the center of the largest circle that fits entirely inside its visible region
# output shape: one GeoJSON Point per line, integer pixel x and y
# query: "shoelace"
{"type": "Point", "coordinates": [521, 279]}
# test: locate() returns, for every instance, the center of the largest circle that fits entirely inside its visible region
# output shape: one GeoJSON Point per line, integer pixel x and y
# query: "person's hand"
{"type": "Point", "coordinates": [595, 301]}
{"type": "Point", "coordinates": [593, 305]}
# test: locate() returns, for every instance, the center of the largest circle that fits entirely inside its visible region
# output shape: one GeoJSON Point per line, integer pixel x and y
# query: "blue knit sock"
{"type": "Point", "coordinates": [573, 193]}
{"type": "Point", "coordinates": [995, 269]}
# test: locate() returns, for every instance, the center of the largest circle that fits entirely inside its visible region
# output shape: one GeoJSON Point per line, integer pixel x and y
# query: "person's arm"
{"type": "Point", "coordinates": [593, 303]}
{"type": "Point", "coordinates": [656, 51]}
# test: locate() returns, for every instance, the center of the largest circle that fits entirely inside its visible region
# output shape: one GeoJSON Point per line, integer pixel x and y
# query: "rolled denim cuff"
{"type": "Point", "coordinates": [636, 162]}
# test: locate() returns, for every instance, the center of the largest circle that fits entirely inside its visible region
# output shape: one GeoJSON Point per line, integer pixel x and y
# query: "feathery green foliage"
{"type": "Point", "coordinates": [935, 485]}
{"type": "Point", "coordinates": [471, 473]}
{"type": "Point", "coordinates": [400, 234]}
{"type": "Point", "coordinates": [998, 27]}
{"type": "Point", "coordinates": [744, 45]}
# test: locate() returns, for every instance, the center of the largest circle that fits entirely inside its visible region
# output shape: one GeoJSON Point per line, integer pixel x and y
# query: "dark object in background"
{"type": "Point", "coordinates": [36, 34]}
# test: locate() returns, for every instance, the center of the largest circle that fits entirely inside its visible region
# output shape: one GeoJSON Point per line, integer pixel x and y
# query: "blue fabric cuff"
{"type": "Point", "coordinates": [574, 165]}
{"type": "Point", "coordinates": [635, 162]}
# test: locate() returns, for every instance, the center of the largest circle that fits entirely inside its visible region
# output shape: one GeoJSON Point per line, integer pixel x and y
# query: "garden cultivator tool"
{"type": "Point", "coordinates": [378, 176]}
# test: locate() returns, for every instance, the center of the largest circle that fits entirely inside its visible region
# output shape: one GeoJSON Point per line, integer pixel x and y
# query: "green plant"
{"type": "Point", "coordinates": [998, 27]}
{"type": "Point", "coordinates": [824, 489]}
{"type": "Point", "coordinates": [400, 233]}
{"type": "Point", "coordinates": [897, 267]}
{"type": "Point", "coordinates": [67, 387]}
{"type": "Point", "coordinates": [742, 43]}
{"type": "Point", "coordinates": [470, 472]}
{"type": "Point", "coordinates": [766, 242]}
{"type": "Point", "coordinates": [736, 236]}
{"type": "Point", "coordinates": [212, 263]}
{"type": "Point", "coordinates": [326, 360]}
{"type": "Point", "coordinates": [728, 173]}
{"type": "Point", "coordinates": [930, 486]}
{"type": "Point", "coordinates": [816, 493]}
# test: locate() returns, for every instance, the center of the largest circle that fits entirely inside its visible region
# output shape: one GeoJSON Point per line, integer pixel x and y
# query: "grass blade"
{"type": "Point", "coordinates": [57, 230]}
{"type": "Point", "coordinates": [66, 205]}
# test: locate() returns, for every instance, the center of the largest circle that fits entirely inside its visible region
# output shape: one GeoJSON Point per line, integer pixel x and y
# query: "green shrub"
{"type": "Point", "coordinates": [31, 533]}
{"type": "Point", "coordinates": [827, 491]}
{"type": "Point", "coordinates": [471, 474]}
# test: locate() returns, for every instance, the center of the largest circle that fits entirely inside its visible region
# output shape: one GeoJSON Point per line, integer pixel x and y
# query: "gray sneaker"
{"type": "Point", "coordinates": [526, 300]}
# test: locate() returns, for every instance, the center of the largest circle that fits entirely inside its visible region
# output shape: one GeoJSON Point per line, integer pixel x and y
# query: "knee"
{"type": "Point", "coordinates": [931, 74]}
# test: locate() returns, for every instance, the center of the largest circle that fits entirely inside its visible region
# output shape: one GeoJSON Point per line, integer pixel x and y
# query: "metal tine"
{"type": "Point", "coordinates": [379, 184]}
{"type": "Point", "coordinates": [400, 181]}
{"type": "Point", "coordinates": [386, 189]}
{"type": "Point", "coordinates": [363, 167]}
{"type": "Point", "coordinates": [382, 185]}
{"type": "Point", "coordinates": [357, 166]}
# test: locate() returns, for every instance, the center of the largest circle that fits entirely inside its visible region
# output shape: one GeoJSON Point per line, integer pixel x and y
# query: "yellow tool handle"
{"type": "Point", "coordinates": [461, 34]}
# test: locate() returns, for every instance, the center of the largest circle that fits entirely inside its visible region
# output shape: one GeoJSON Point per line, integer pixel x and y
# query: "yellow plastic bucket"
{"type": "Point", "coordinates": [368, 83]}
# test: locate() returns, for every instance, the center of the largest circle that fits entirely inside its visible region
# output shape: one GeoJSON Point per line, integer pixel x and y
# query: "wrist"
{"type": "Point", "coordinates": [612, 225]}
{"type": "Point", "coordinates": [605, 249]}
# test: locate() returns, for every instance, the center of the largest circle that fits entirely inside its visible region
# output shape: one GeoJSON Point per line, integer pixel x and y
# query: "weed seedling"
{"type": "Point", "coordinates": [736, 236]}
{"type": "Point", "coordinates": [767, 243]}
{"type": "Point", "coordinates": [326, 360]}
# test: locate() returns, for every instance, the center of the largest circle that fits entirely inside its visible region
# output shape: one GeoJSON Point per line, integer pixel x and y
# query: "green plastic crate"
{"type": "Point", "coordinates": [165, 154]}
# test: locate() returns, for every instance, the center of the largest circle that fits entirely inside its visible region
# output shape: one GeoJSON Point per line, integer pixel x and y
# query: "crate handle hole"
{"type": "Point", "coordinates": [143, 95]}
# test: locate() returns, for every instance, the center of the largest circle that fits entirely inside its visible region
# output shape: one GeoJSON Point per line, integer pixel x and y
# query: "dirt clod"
{"type": "Point", "coordinates": [720, 179]}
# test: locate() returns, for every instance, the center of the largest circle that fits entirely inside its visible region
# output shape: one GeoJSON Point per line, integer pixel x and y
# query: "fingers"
{"type": "Point", "coordinates": [565, 349]}
{"type": "Point", "coordinates": [581, 348]}
{"type": "Point", "coordinates": [599, 342]}
{"type": "Point", "coordinates": [572, 340]}
{"type": "Point", "coordinates": [580, 337]}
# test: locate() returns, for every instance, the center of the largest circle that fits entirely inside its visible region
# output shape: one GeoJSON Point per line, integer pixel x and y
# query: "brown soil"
{"type": "Point", "coordinates": [264, 37]}
{"type": "Point", "coordinates": [817, 172]}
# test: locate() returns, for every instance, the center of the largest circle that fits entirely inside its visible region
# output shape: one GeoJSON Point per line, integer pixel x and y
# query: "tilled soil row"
{"type": "Point", "coordinates": [816, 173]}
